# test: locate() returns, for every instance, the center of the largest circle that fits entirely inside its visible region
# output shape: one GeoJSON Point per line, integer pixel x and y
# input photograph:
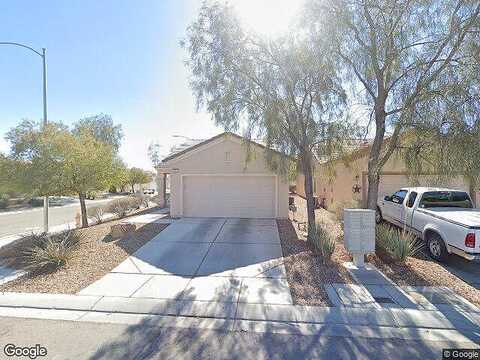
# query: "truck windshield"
{"type": "Point", "coordinates": [454, 199]}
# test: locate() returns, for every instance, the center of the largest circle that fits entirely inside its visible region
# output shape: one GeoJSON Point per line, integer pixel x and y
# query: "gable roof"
{"type": "Point", "coordinates": [216, 137]}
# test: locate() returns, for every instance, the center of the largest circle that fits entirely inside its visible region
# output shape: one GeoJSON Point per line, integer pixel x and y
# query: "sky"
{"type": "Point", "coordinates": [111, 56]}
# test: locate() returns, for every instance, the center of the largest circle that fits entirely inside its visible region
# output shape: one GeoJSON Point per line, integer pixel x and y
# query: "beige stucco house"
{"type": "Point", "coordinates": [343, 181]}
{"type": "Point", "coordinates": [213, 179]}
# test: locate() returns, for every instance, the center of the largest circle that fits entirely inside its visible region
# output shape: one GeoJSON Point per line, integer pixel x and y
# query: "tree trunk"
{"type": "Point", "coordinates": [133, 189]}
{"type": "Point", "coordinates": [83, 210]}
{"type": "Point", "coordinates": [308, 173]}
{"type": "Point", "coordinates": [375, 152]}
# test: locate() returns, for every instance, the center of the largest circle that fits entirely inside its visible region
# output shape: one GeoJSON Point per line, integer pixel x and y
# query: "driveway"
{"type": "Point", "coordinates": [227, 261]}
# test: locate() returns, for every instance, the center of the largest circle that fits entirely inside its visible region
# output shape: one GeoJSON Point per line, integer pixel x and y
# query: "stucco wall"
{"type": "Point", "coordinates": [337, 187]}
{"type": "Point", "coordinates": [212, 159]}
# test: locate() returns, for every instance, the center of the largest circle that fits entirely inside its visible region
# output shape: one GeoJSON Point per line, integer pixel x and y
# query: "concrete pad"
{"type": "Point", "coordinates": [48, 301]}
{"type": "Point", "coordinates": [170, 258]}
{"type": "Point", "coordinates": [137, 306]}
{"type": "Point", "coordinates": [240, 259]}
{"type": "Point", "coordinates": [400, 297]}
{"type": "Point", "coordinates": [198, 232]}
{"type": "Point", "coordinates": [332, 295]}
{"type": "Point", "coordinates": [355, 295]}
{"type": "Point", "coordinates": [345, 315]}
{"type": "Point", "coordinates": [251, 222]}
{"type": "Point", "coordinates": [33, 313]}
{"type": "Point", "coordinates": [211, 309]}
{"type": "Point", "coordinates": [265, 291]}
{"type": "Point", "coordinates": [224, 289]}
{"type": "Point", "coordinates": [145, 219]}
{"type": "Point", "coordinates": [287, 313]}
{"type": "Point", "coordinates": [248, 234]}
{"type": "Point", "coordinates": [200, 220]}
{"type": "Point", "coordinates": [273, 270]}
{"type": "Point", "coordinates": [368, 275]}
{"type": "Point", "coordinates": [116, 284]}
{"type": "Point", "coordinates": [433, 319]}
{"type": "Point", "coordinates": [158, 320]}
{"type": "Point", "coordinates": [126, 266]}
{"type": "Point", "coordinates": [162, 287]}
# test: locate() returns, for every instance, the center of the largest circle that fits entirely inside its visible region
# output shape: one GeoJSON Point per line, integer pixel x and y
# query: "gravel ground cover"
{"type": "Point", "coordinates": [94, 256]}
{"type": "Point", "coordinates": [306, 273]}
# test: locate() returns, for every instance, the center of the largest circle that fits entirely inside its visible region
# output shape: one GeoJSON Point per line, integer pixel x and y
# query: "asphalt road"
{"type": "Point", "coordinates": [32, 219]}
{"type": "Point", "coordinates": [83, 340]}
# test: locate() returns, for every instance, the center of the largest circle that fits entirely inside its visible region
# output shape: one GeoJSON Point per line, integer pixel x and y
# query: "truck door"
{"type": "Point", "coordinates": [409, 206]}
{"type": "Point", "coordinates": [397, 207]}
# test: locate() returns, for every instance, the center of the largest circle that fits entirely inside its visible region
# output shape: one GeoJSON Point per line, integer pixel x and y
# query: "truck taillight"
{"type": "Point", "coordinates": [470, 240]}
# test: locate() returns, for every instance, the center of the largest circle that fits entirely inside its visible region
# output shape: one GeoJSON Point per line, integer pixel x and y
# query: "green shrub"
{"type": "Point", "coordinates": [97, 213]}
{"type": "Point", "coordinates": [323, 240]}
{"type": "Point", "coordinates": [4, 201]}
{"type": "Point", "coordinates": [398, 243]}
{"type": "Point", "coordinates": [50, 252]}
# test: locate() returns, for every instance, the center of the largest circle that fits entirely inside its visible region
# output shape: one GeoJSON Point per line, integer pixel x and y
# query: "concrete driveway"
{"type": "Point", "coordinates": [225, 261]}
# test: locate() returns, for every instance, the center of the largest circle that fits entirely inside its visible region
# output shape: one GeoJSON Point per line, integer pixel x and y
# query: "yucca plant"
{"type": "Point", "coordinates": [97, 213]}
{"type": "Point", "coordinates": [323, 240]}
{"type": "Point", "coordinates": [398, 243]}
{"type": "Point", "coordinates": [49, 252]}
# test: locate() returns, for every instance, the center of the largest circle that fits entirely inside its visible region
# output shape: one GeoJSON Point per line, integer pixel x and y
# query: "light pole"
{"type": "Point", "coordinates": [43, 55]}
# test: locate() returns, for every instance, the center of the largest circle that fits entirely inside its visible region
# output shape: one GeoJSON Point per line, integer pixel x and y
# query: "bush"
{"type": "Point", "coordinates": [4, 201]}
{"type": "Point", "coordinates": [323, 240]}
{"type": "Point", "coordinates": [120, 207]}
{"type": "Point", "coordinates": [157, 199]}
{"type": "Point", "coordinates": [398, 243]}
{"type": "Point", "coordinates": [139, 200]}
{"type": "Point", "coordinates": [50, 252]}
{"type": "Point", "coordinates": [338, 208]}
{"type": "Point", "coordinates": [97, 213]}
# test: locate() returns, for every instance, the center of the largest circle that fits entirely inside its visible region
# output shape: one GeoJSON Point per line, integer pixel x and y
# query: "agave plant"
{"type": "Point", "coordinates": [49, 252]}
{"type": "Point", "coordinates": [323, 241]}
{"type": "Point", "coordinates": [400, 244]}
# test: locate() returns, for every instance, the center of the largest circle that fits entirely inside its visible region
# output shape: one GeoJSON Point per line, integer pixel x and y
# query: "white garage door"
{"type": "Point", "coordinates": [229, 196]}
{"type": "Point", "coordinates": [391, 183]}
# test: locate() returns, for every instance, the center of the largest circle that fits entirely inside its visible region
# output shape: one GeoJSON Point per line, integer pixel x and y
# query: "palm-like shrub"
{"type": "Point", "coordinates": [323, 240]}
{"type": "Point", "coordinates": [50, 252]}
{"type": "Point", "coordinates": [398, 243]}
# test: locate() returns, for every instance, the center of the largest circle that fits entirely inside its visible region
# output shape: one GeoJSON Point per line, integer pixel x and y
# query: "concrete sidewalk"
{"type": "Point", "coordinates": [452, 324]}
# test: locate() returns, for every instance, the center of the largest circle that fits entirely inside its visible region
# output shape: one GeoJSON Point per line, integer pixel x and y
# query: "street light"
{"type": "Point", "coordinates": [44, 61]}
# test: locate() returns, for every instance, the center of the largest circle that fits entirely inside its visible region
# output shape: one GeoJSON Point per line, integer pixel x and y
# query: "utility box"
{"type": "Point", "coordinates": [359, 233]}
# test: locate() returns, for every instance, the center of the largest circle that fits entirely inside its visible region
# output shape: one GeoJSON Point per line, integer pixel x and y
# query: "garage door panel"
{"type": "Point", "coordinates": [229, 196]}
{"type": "Point", "coordinates": [391, 183]}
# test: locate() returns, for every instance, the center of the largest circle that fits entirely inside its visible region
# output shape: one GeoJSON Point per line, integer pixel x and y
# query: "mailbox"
{"type": "Point", "coordinates": [359, 233]}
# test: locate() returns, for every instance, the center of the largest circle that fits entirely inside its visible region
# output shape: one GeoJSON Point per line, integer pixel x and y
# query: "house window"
{"type": "Point", "coordinates": [228, 156]}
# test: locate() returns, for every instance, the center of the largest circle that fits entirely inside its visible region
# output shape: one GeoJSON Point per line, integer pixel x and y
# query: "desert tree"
{"type": "Point", "coordinates": [282, 90]}
{"type": "Point", "coordinates": [102, 128]}
{"type": "Point", "coordinates": [137, 176]}
{"type": "Point", "coordinates": [393, 54]}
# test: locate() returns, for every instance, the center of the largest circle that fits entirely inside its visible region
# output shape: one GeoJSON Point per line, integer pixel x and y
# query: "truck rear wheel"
{"type": "Point", "coordinates": [436, 247]}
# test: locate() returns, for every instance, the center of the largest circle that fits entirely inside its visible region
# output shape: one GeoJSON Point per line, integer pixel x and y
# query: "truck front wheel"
{"type": "Point", "coordinates": [436, 247]}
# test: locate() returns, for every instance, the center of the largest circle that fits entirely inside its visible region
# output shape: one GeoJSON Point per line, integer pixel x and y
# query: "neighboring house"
{"type": "Point", "coordinates": [213, 179]}
{"type": "Point", "coordinates": [340, 181]}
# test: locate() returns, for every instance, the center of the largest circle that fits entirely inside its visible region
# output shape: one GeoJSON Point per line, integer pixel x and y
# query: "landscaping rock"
{"type": "Point", "coordinates": [119, 230]}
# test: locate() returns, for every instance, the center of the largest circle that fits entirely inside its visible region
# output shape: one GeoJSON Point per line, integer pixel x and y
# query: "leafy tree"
{"type": "Point", "coordinates": [50, 160]}
{"type": "Point", "coordinates": [138, 176]}
{"type": "Point", "coordinates": [120, 175]}
{"type": "Point", "coordinates": [154, 153]}
{"type": "Point", "coordinates": [282, 90]}
{"type": "Point", "coordinates": [397, 55]}
{"type": "Point", "coordinates": [35, 162]}
{"type": "Point", "coordinates": [88, 165]}
{"type": "Point", "coordinates": [102, 128]}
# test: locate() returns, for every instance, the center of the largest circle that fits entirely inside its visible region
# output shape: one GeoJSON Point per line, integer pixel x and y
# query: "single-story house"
{"type": "Point", "coordinates": [342, 181]}
{"type": "Point", "coordinates": [214, 179]}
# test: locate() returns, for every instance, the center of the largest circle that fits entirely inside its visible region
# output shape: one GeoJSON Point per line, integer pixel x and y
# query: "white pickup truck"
{"type": "Point", "coordinates": [444, 218]}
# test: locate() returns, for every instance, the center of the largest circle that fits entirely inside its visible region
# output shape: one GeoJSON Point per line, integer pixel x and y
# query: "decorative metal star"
{"type": "Point", "coordinates": [356, 189]}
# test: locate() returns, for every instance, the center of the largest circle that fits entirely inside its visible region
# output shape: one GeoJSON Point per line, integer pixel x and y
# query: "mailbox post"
{"type": "Point", "coordinates": [359, 230]}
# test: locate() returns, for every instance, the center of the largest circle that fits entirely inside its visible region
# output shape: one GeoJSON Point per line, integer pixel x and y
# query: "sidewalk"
{"type": "Point", "coordinates": [454, 325]}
